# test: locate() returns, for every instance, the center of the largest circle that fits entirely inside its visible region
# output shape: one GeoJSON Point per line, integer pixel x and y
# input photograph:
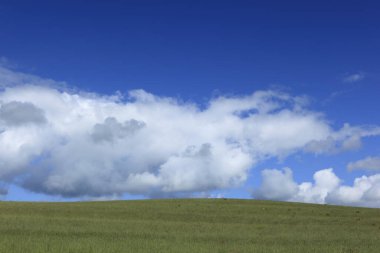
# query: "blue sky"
{"type": "Point", "coordinates": [198, 51]}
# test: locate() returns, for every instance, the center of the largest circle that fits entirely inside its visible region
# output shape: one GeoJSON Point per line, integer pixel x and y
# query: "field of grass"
{"type": "Point", "coordinates": [191, 225]}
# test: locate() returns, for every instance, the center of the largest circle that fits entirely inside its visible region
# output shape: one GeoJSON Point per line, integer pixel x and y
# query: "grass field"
{"type": "Point", "coordinates": [191, 225]}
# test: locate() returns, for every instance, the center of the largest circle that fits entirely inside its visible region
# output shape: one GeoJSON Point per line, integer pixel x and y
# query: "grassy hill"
{"type": "Point", "coordinates": [191, 225]}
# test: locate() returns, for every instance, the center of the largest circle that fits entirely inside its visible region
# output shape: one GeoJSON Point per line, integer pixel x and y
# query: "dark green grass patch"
{"type": "Point", "coordinates": [191, 225]}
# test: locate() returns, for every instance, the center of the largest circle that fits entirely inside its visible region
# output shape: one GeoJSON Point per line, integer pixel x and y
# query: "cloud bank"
{"type": "Point", "coordinates": [76, 144]}
{"type": "Point", "coordinates": [327, 188]}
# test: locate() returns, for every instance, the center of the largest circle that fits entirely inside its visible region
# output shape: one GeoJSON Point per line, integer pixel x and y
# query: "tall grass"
{"type": "Point", "coordinates": [191, 225]}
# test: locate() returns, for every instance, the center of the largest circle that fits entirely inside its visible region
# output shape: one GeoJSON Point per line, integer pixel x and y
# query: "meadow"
{"type": "Point", "coordinates": [187, 225]}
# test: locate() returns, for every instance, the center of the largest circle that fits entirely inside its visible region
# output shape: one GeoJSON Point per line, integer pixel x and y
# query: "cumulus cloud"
{"type": "Point", "coordinates": [276, 185]}
{"type": "Point", "coordinates": [327, 188]}
{"type": "Point", "coordinates": [368, 163]}
{"type": "Point", "coordinates": [76, 144]}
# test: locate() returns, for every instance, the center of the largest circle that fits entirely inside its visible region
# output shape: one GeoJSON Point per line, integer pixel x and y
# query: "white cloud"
{"type": "Point", "coordinates": [327, 188]}
{"type": "Point", "coordinates": [368, 163]}
{"type": "Point", "coordinates": [364, 192]}
{"type": "Point", "coordinates": [353, 78]}
{"type": "Point", "coordinates": [346, 139]}
{"type": "Point", "coordinates": [76, 144]}
{"type": "Point", "coordinates": [276, 185]}
{"type": "Point", "coordinates": [325, 181]}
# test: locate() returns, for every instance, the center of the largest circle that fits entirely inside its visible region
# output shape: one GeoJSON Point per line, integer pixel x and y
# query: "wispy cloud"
{"type": "Point", "coordinates": [352, 78]}
{"type": "Point", "coordinates": [5, 62]}
{"type": "Point", "coordinates": [346, 139]}
{"type": "Point", "coordinates": [368, 163]}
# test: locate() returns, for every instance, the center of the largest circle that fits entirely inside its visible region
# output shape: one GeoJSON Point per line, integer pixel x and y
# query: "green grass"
{"type": "Point", "coordinates": [191, 225]}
